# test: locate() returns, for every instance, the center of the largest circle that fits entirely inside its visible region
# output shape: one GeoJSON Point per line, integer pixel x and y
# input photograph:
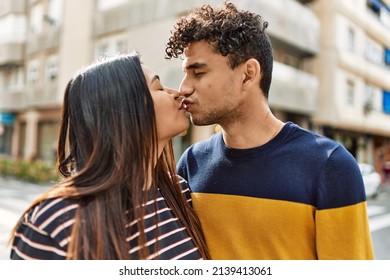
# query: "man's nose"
{"type": "Point", "coordinates": [186, 89]}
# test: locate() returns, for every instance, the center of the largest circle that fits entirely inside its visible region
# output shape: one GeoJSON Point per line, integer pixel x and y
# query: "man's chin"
{"type": "Point", "coordinates": [199, 121]}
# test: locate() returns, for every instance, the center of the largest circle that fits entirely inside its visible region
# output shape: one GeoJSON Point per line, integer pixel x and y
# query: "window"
{"type": "Point", "coordinates": [381, 10]}
{"type": "Point", "coordinates": [2, 6]}
{"type": "Point", "coordinates": [374, 5]}
{"type": "Point", "coordinates": [351, 40]}
{"type": "Point", "coordinates": [54, 13]}
{"type": "Point", "coordinates": [36, 19]}
{"type": "Point", "coordinates": [289, 58]}
{"type": "Point", "coordinates": [387, 56]}
{"type": "Point", "coordinates": [111, 45]}
{"type": "Point", "coordinates": [350, 92]}
{"type": "Point", "coordinates": [22, 139]}
{"type": "Point", "coordinates": [51, 70]}
{"type": "Point", "coordinates": [101, 49]}
{"type": "Point", "coordinates": [12, 28]}
{"type": "Point", "coordinates": [47, 139]}
{"type": "Point", "coordinates": [385, 16]}
{"type": "Point", "coordinates": [6, 132]}
{"type": "Point", "coordinates": [373, 52]}
{"type": "Point", "coordinates": [120, 45]}
{"type": "Point", "coordinates": [293, 61]}
{"type": "Point", "coordinates": [386, 101]}
{"type": "Point", "coordinates": [104, 5]}
{"type": "Point", "coordinates": [373, 97]}
{"type": "Point", "coordinates": [368, 104]}
{"type": "Point", "coordinates": [15, 79]}
{"type": "Point", "coordinates": [32, 73]}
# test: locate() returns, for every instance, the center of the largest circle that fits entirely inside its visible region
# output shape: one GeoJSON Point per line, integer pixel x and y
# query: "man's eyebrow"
{"type": "Point", "coordinates": [195, 65]}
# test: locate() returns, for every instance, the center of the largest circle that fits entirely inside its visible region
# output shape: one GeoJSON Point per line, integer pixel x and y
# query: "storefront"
{"type": "Point", "coordinates": [7, 121]}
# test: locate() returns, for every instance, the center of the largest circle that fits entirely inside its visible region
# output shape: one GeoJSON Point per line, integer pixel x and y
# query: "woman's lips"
{"type": "Point", "coordinates": [186, 104]}
{"type": "Point", "coordinates": [182, 105]}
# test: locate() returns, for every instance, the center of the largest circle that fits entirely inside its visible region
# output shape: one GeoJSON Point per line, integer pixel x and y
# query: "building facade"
{"type": "Point", "coordinates": [331, 70]}
{"type": "Point", "coordinates": [353, 67]}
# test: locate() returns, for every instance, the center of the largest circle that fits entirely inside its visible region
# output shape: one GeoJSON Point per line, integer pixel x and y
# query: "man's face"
{"type": "Point", "coordinates": [212, 89]}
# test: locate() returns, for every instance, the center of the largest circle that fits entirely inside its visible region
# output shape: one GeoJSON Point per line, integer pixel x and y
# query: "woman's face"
{"type": "Point", "coordinates": [171, 117]}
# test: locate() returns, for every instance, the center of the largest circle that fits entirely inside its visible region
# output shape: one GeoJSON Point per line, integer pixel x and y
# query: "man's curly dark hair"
{"type": "Point", "coordinates": [237, 34]}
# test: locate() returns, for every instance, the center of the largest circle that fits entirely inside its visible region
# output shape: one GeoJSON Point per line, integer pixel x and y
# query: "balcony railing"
{"type": "Point", "coordinates": [136, 13]}
{"type": "Point", "coordinates": [11, 54]}
{"type": "Point", "coordinates": [44, 40]}
{"type": "Point", "coordinates": [12, 6]}
{"type": "Point", "coordinates": [42, 96]}
{"type": "Point", "coordinates": [12, 99]}
{"type": "Point", "coordinates": [289, 21]}
{"type": "Point", "coordinates": [293, 90]}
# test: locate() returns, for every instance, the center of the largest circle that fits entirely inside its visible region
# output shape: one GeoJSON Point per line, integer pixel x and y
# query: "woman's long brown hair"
{"type": "Point", "coordinates": [107, 144]}
{"type": "Point", "coordinates": [180, 207]}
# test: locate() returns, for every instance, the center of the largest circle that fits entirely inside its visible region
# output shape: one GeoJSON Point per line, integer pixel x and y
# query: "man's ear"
{"type": "Point", "coordinates": [251, 71]}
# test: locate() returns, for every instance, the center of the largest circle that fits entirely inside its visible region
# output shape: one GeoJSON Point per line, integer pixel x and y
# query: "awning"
{"type": "Point", "coordinates": [7, 118]}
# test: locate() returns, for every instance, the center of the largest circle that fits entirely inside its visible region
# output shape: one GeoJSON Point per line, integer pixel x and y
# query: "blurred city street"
{"type": "Point", "coordinates": [15, 196]}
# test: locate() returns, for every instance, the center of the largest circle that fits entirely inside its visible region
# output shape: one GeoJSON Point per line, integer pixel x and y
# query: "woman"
{"type": "Point", "coordinates": [120, 197]}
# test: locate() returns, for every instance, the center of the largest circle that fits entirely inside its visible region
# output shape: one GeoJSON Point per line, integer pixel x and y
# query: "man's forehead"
{"type": "Point", "coordinates": [193, 55]}
{"type": "Point", "coordinates": [197, 49]}
{"type": "Point", "coordinates": [201, 54]}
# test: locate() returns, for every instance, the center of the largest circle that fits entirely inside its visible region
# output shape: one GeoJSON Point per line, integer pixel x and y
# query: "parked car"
{"type": "Point", "coordinates": [371, 179]}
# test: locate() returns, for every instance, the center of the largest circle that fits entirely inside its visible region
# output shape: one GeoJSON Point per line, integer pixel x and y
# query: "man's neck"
{"type": "Point", "coordinates": [253, 132]}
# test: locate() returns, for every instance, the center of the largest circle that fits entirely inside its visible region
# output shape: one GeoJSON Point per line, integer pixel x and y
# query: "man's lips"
{"type": "Point", "coordinates": [186, 104]}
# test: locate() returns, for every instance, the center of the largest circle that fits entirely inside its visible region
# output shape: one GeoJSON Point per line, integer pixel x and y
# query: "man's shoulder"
{"type": "Point", "coordinates": [315, 146]}
{"type": "Point", "coordinates": [313, 138]}
{"type": "Point", "coordinates": [204, 146]}
{"type": "Point", "coordinates": [333, 153]}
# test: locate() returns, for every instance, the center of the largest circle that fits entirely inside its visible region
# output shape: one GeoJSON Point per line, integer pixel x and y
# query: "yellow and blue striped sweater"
{"type": "Point", "coordinates": [299, 196]}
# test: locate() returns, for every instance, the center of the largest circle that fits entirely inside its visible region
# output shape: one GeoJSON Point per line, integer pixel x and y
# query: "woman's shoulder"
{"type": "Point", "coordinates": [43, 232]}
{"type": "Point", "coordinates": [185, 188]}
{"type": "Point", "coordinates": [52, 213]}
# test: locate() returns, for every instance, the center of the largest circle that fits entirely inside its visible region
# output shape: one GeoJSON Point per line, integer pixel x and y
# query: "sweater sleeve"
{"type": "Point", "coordinates": [44, 232]}
{"type": "Point", "coordinates": [181, 166]}
{"type": "Point", "coordinates": [32, 243]}
{"type": "Point", "coordinates": [342, 229]}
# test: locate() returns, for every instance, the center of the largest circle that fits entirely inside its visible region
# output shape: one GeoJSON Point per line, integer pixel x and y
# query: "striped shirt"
{"type": "Point", "coordinates": [44, 232]}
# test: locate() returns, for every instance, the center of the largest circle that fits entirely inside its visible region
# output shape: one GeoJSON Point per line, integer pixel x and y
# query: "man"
{"type": "Point", "coordinates": [263, 189]}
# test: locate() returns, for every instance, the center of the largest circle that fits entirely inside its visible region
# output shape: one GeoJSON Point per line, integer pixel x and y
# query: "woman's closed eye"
{"type": "Point", "coordinates": [158, 86]}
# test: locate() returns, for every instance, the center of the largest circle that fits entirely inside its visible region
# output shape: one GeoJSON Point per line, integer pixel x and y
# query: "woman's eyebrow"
{"type": "Point", "coordinates": [155, 77]}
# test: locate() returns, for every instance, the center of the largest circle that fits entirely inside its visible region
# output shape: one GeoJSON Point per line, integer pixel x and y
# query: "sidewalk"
{"type": "Point", "coordinates": [15, 197]}
{"type": "Point", "coordinates": [385, 189]}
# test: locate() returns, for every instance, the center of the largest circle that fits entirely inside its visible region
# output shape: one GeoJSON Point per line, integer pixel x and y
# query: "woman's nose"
{"type": "Point", "coordinates": [174, 93]}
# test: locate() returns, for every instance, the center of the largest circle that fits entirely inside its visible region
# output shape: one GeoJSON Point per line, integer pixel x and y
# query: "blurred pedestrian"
{"type": "Point", "coordinates": [263, 189]}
